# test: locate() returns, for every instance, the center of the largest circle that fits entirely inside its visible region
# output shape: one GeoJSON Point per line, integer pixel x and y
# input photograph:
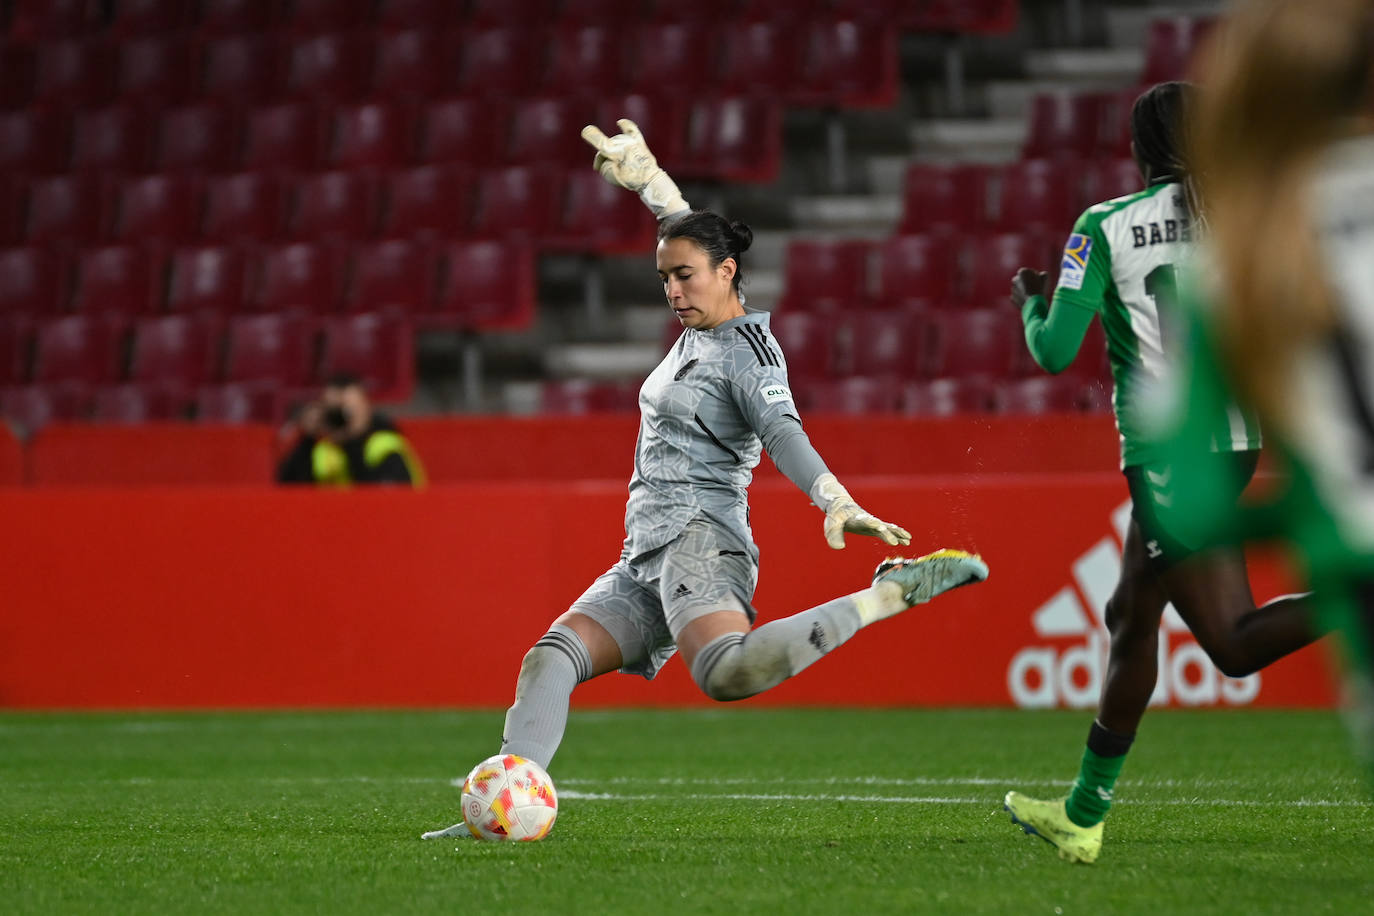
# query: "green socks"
{"type": "Point", "coordinates": [1091, 797]}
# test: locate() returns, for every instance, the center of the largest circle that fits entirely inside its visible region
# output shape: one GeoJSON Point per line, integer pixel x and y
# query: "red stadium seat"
{"type": "Point", "coordinates": [394, 275]}
{"type": "Point", "coordinates": [242, 68]}
{"type": "Point", "coordinates": [944, 198]}
{"type": "Point", "coordinates": [429, 15]}
{"type": "Point", "coordinates": [138, 403]}
{"type": "Point", "coordinates": [917, 271]}
{"type": "Point", "coordinates": [15, 337]}
{"type": "Point", "coordinates": [547, 129]}
{"type": "Point", "coordinates": [484, 284]}
{"type": "Point", "coordinates": [508, 12]}
{"type": "Point", "coordinates": [502, 62]}
{"type": "Point", "coordinates": [49, 19]}
{"type": "Point", "coordinates": [517, 202]}
{"type": "Point", "coordinates": [247, 206]}
{"type": "Point", "coordinates": [662, 119]}
{"type": "Point", "coordinates": [885, 344]}
{"type": "Point", "coordinates": [239, 403]}
{"type": "Point", "coordinates": [118, 280]}
{"type": "Point", "coordinates": [759, 58]}
{"type": "Point", "coordinates": [16, 74]}
{"type": "Point", "coordinates": [766, 10]}
{"type": "Point", "coordinates": [157, 208]}
{"type": "Point", "coordinates": [1168, 46]}
{"type": "Point", "coordinates": [207, 278]}
{"type": "Point", "coordinates": [31, 407]}
{"type": "Point", "coordinates": [582, 396]}
{"type": "Point", "coordinates": [64, 208]}
{"type": "Point", "coordinates": [231, 17]}
{"type": "Point", "coordinates": [599, 11]}
{"type": "Point", "coordinates": [151, 17]}
{"type": "Point", "coordinates": [413, 63]}
{"type": "Point", "coordinates": [1065, 124]}
{"type": "Point", "coordinates": [467, 130]}
{"type": "Point", "coordinates": [310, 16]}
{"type": "Point", "coordinates": [598, 216]}
{"type": "Point", "coordinates": [1039, 394]}
{"type": "Point", "coordinates": [427, 201]}
{"type": "Point", "coordinates": [370, 135]}
{"type": "Point", "coordinates": [301, 277]}
{"type": "Point", "coordinates": [75, 73]}
{"type": "Point", "coordinates": [268, 348]}
{"type": "Point", "coordinates": [668, 54]}
{"type": "Point", "coordinates": [115, 139]}
{"type": "Point", "coordinates": [733, 139]}
{"type": "Point", "coordinates": [36, 282]}
{"type": "Point", "coordinates": [1105, 179]}
{"type": "Point", "coordinates": [808, 343]}
{"type": "Point", "coordinates": [943, 397]}
{"type": "Point", "coordinates": [11, 209]}
{"type": "Point", "coordinates": [155, 70]}
{"type": "Point", "coordinates": [176, 349]}
{"type": "Point", "coordinates": [826, 275]}
{"type": "Point", "coordinates": [993, 261]}
{"type": "Point", "coordinates": [703, 11]}
{"type": "Point", "coordinates": [978, 342]}
{"type": "Point", "coordinates": [77, 348]}
{"type": "Point", "coordinates": [858, 394]}
{"type": "Point", "coordinates": [283, 137]}
{"type": "Point", "coordinates": [32, 142]}
{"type": "Point", "coordinates": [198, 137]}
{"type": "Point", "coordinates": [336, 66]}
{"type": "Point", "coordinates": [336, 204]}
{"type": "Point", "coordinates": [1038, 194]}
{"type": "Point", "coordinates": [589, 58]}
{"type": "Point", "coordinates": [847, 63]}
{"type": "Point", "coordinates": [376, 347]}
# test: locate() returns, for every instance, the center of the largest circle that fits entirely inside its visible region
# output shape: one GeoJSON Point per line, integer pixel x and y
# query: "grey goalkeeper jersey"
{"type": "Point", "coordinates": [718, 399]}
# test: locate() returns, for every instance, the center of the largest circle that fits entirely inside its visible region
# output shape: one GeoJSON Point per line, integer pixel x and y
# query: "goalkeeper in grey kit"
{"type": "Point", "coordinates": [688, 568]}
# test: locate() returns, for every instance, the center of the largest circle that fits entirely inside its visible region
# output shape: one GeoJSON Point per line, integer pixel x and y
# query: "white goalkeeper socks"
{"type": "Point", "coordinates": [537, 719]}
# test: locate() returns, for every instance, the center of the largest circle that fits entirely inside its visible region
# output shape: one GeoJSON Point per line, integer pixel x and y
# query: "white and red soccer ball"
{"type": "Point", "coordinates": [509, 798]}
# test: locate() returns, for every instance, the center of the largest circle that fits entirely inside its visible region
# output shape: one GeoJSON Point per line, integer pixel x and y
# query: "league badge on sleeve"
{"type": "Point", "coordinates": [1077, 251]}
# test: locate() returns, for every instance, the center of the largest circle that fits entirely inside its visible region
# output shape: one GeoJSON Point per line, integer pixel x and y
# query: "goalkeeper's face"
{"type": "Point", "coordinates": [701, 296]}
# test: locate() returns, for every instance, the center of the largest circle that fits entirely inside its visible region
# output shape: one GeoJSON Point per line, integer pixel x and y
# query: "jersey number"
{"type": "Point", "coordinates": [1161, 285]}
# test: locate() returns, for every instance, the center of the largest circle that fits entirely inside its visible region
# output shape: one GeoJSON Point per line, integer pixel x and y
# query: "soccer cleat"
{"type": "Point", "coordinates": [925, 577]}
{"type": "Point", "coordinates": [1049, 821]}
{"type": "Point", "coordinates": [459, 830]}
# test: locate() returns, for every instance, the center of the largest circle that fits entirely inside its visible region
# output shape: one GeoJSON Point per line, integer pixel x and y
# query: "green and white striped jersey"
{"type": "Point", "coordinates": [1122, 261]}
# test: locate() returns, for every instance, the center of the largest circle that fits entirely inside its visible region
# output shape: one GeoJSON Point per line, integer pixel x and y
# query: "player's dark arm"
{"type": "Point", "coordinates": [392, 469]}
{"type": "Point", "coordinates": [1055, 332]}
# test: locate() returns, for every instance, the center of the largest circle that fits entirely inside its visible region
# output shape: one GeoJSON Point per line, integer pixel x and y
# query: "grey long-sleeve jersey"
{"type": "Point", "coordinates": [718, 399]}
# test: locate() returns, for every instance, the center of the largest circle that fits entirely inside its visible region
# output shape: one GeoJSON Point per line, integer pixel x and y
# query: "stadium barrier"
{"type": "Point", "coordinates": [198, 597]}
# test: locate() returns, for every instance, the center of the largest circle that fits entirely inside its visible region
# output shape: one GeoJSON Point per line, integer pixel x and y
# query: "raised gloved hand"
{"type": "Point", "coordinates": [625, 161]}
{"type": "Point", "coordinates": [843, 514]}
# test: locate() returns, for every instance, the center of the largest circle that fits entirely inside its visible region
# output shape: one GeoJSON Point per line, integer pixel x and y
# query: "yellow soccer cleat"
{"type": "Point", "coordinates": [925, 577]}
{"type": "Point", "coordinates": [1049, 821]}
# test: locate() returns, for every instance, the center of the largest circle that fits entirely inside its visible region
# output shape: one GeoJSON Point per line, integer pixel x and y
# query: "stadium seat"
{"type": "Point", "coordinates": [710, 12]}
{"type": "Point", "coordinates": [484, 285]}
{"type": "Point", "coordinates": [857, 394]}
{"type": "Point", "coordinates": [176, 349]}
{"type": "Point", "coordinates": [917, 271]}
{"type": "Point", "coordinates": [517, 202]}
{"type": "Point", "coordinates": [826, 275]}
{"type": "Point", "coordinates": [76, 73]}
{"type": "Point", "coordinates": [807, 342]}
{"type": "Point", "coordinates": [36, 282]}
{"type": "Point", "coordinates": [239, 403]}
{"type": "Point", "coordinates": [733, 139]}
{"type": "Point", "coordinates": [15, 336]}
{"type": "Point", "coordinates": [206, 278]}
{"type": "Point", "coordinates": [370, 135]}
{"type": "Point", "coordinates": [334, 67]}
{"type": "Point", "coordinates": [339, 204]}
{"type": "Point", "coordinates": [885, 344]}
{"type": "Point", "coordinates": [427, 15]}
{"type": "Point", "coordinates": [234, 17]}
{"type": "Point", "coordinates": [512, 13]}
{"type": "Point", "coordinates": [759, 58]}
{"type": "Point", "coordinates": [31, 407]}
{"type": "Point", "coordinates": [943, 397]}
{"type": "Point", "coordinates": [395, 275]}
{"type": "Point", "coordinates": [993, 260]}
{"type": "Point", "coordinates": [977, 342]}
{"type": "Point", "coordinates": [246, 206]}
{"type": "Point", "coordinates": [944, 198]}
{"type": "Point", "coordinates": [1038, 194]}
{"type": "Point", "coordinates": [1065, 124]}
{"type": "Point", "coordinates": [1104, 179]}
{"type": "Point", "coordinates": [304, 277]}
{"type": "Point", "coordinates": [582, 396]}
{"type": "Point", "coordinates": [64, 208]}
{"type": "Point", "coordinates": [198, 137]}
{"type": "Point", "coordinates": [599, 11]}
{"type": "Point", "coordinates": [588, 57]}
{"type": "Point", "coordinates": [312, 16]}
{"type": "Point", "coordinates": [242, 68]}
{"type": "Point", "coordinates": [426, 201]}
{"type": "Point", "coordinates": [11, 210]}
{"type": "Point", "coordinates": [268, 348]}
{"type": "Point", "coordinates": [598, 216]}
{"type": "Point", "coordinates": [77, 348]}
{"type": "Point", "coordinates": [163, 208]}
{"type": "Point", "coordinates": [463, 129]}
{"type": "Point", "coordinates": [1168, 46]}
{"type": "Point", "coordinates": [413, 63]}
{"type": "Point", "coordinates": [151, 17]}
{"type": "Point", "coordinates": [547, 129]}
{"type": "Point", "coordinates": [53, 19]}
{"type": "Point", "coordinates": [501, 62]}
{"type": "Point", "coordinates": [114, 139]}
{"type": "Point", "coordinates": [1038, 394]}
{"type": "Point", "coordinates": [662, 119]}
{"type": "Point", "coordinates": [155, 70]}
{"type": "Point", "coordinates": [117, 280]}
{"type": "Point", "coordinates": [287, 136]}
{"type": "Point", "coordinates": [376, 347]}
{"type": "Point", "coordinates": [138, 403]}
{"type": "Point", "coordinates": [667, 55]}
{"type": "Point", "coordinates": [32, 142]}
{"type": "Point", "coordinates": [847, 64]}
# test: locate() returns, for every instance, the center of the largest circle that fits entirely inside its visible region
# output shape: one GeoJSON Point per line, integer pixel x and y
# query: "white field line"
{"type": "Point", "coordinates": [573, 795]}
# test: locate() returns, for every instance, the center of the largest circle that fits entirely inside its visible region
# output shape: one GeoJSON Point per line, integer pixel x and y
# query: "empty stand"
{"type": "Point", "coordinates": [199, 136]}
{"type": "Point", "coordinates": [943, 397]}
{"type": "Point", "coordinates": [377, 347]}
{"type": "Point", "coordinates": [944, 198]}
{"type": "Point", "coordinates": [334, 66]}
{"type": "Point", "coordinates": [334, 205]}
{"type": "Point", "coordinates": [116, 279]}
{"type": "Point", "coordinates": [163, 208]}
{"type": "Point", "coordinates": [113, 139]}
{"type": "Point", "coordinates": [847, 63]}
{"type": "Point", "coordinates": [411, 63]}
{"type": "Point", "coordinates": [35, 282]}
{"type": "Point", "coordinates": [15, 337]}
{"type": "Point", "coordinates": [48, 19]}
{"type": "Point", "coordinates": [547, 129]}
{"type": "Point", "coordinates": [518, 202]}
{"type": "Point", "coordinates": [807, 342]}
{"type": "Point", "coordinates": [501, 61]}
{"type": "Point", "coordinates": [1066, 124]}
{"type": "Point", "coordinates": [430, 15]}
{"type": "Point", "coordinates": [77, 348]}
{"type": "Point", "coordinates": [462, 129]}
{"type": "Point", "coordinates": [244, 67]}
{"type": "Point", "coordinates": [155, 70]}
{"type": "Point", "coordinates": [176, 349]}
{"type": "Point", "coordinates": [239, 403]}
{"type": "Point", "coordinates": [759, 58]}
{"type": "Point", "coordinates": [734, 139]}
{"type": "Point", "coordinates": [1038, 194]}
{"type": "Point", "coordinates": [992, 261]}
{"type": "Point", "coordinates": [304, 277]}
{"type": "Point", "coordinates": [370, 135]}
{"type": "Point", "coordinates": [32, 141]}
{"type": "Point", "coordinates": [283, 137]}
{"type": "Point", "coordinates": [668, 54]}
{"type": "Point", "coordinates": [426, 201]}
{"type": "Point", "coordinates": [1104, 179]}
{"type": "Point", "coordinates": [396, 275]}
{"type": "Point", "coordinates": [582, 396]}
{"type": "Point", "coordinates": [588, 57]}
{"type": "Point", "coordinates": [64, 208]}
{"type": "Point", "coordinates": [31, 407]}
{"type": "Point", "coordinates": [826, 275]}
{"type": "Point", "coordinates": [231, 17]}
{"type": "Point", "coordinates": [662, 119]}
{"type": "Point", "coordinates": [206, 278]}
{"type": "Point", "coordinates": [269, 348]}
{"type": "Point", "coordinates": [246, 206]}
{"type": "Point", "coordinates": [484, 284]}
{"type": "Point", "coordinates": [598, 216]}
{"type": "Point", "coordinates": [917, 271]}
{"type": "Point", "coordinates": [137, 403]}
{"type": "Point", "coordinates": [980, 342]}
{"type": "Point", "coordinates": [886, 344]}
{"type": "Point", "coordinates": [858, 394]}
{"type": "Point", "coordinates": [151, 17]}
{"type": "Point", "coordinates": [309, 16]}
{"type": "Point", "coordinates": [1039, 394]}
{"type": "Point", "coordinates": [78, 73]}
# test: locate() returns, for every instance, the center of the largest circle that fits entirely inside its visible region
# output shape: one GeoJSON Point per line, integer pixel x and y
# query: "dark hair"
{"type": "Point", "coordinates": [1159, 121]}
{"type": "Point", "coordinates": [343, 380]}
{"type": "Point", "coordinates": [713, 234]}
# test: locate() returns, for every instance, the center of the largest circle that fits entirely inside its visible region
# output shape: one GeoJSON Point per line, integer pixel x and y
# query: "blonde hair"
{"type": "Point", "coordinates": [1280, 80]}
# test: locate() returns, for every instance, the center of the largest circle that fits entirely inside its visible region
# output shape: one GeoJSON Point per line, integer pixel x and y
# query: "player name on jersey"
{"type": "Point", "coordinates": [1157, 233]}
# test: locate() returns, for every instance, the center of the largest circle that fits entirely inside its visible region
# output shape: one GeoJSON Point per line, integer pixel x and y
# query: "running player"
{"type": "Point", "coordinates": [1120, 263]}
{"type": "Point", "coordinates": [687, 570]}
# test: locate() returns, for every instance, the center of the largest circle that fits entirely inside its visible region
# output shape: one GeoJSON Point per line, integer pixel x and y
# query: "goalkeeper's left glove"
{"type": "Point", "coordinates": [625, 161]}
{"type": "Point", "coordinates": [843, 514]}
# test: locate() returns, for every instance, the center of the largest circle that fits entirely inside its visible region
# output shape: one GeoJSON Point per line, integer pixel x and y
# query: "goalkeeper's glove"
{"type": "Point", "coordinates": [625, 161]}
{"type": "Point", "coordinates": [843, 514]}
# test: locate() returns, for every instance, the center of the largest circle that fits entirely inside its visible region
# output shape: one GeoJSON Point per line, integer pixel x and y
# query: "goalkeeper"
{"type": "Point", "coordinates": [688, 568]}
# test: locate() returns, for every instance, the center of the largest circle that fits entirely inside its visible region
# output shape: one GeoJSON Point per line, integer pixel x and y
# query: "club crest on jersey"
{"type": "Point", "coordinates": [772, 394]}
{"type": "Point", "coordinates": [1072, 269]}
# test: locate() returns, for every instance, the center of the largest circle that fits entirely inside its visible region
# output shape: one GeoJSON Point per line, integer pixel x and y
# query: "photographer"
{"type": "Point", "coordinates": [342, 442]}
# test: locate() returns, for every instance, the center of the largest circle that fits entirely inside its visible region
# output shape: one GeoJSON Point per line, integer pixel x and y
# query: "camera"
{"type": "Point", "coordinates": [335, 418]}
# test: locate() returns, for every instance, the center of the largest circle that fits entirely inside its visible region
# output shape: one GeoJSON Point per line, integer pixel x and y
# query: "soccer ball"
{"type": "Point", "coordinates": [509, 798]}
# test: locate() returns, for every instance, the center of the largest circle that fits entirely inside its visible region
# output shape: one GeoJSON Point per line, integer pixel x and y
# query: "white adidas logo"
{"type": "Point", "coordinates": [1046, 676]}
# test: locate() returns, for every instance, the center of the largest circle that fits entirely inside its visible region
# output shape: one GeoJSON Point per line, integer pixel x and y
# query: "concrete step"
{"type": "Point", "coordinates": [1119, 64]}
{"type": "Point", "coordinates": [1127, 26]}
{"type": "Point", "coordinates": [1012, 98]}
{"type": "Point", "coordinates": [847, 214]}
{"type": "Point", "coordinates": [602, 360]}
{"type": "Point", "coordinates": [990, 140]}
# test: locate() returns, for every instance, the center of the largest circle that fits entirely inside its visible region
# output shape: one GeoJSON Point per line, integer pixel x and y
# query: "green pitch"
{"type": "Point", "coordinates": [732, 810]}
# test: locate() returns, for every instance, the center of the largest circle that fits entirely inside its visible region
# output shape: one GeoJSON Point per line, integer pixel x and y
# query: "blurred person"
{"type": "Point", "coordinates": [1120, 263]}
{"type": "Point", "coordinates": [341, 440]}
{"type": "Point", "coordinates": [688, 567]}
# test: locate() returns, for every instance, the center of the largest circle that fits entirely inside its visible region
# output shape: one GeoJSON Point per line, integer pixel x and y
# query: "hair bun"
{"type": "Point", "coordinates": [743, 236]}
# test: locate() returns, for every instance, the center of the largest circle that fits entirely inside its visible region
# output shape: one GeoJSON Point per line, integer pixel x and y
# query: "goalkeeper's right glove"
{"type": "Point", "coordinates": [843, 514]}
{"type": "Point", "coordinates": [625, 161]}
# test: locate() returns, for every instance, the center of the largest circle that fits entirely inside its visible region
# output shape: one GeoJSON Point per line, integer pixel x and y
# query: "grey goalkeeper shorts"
{"type": "Point", "coordinates": [644, 602]}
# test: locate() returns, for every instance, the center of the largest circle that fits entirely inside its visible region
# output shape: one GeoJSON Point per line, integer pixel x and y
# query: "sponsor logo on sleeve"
{"type": "Point", "coordinates": [772, 394]}
{"type": "Point", "coordinates": [1077, 251]}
